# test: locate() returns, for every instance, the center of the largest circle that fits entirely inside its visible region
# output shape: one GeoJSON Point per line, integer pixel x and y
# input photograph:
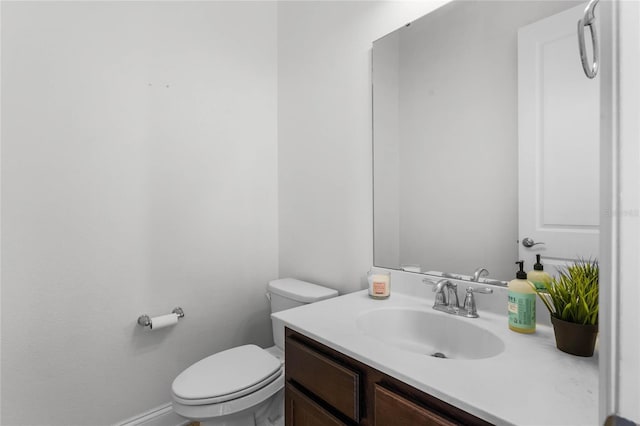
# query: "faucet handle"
{"type": "Point", "coordinates": [431, 281]}
{"type": "Point", "coordinates": [485, 290]}
{"type": "Point", "coordinates": [469, 305]}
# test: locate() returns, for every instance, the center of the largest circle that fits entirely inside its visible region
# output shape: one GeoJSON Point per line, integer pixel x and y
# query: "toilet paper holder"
{"type": "Point", "coordinates": [145, 320]}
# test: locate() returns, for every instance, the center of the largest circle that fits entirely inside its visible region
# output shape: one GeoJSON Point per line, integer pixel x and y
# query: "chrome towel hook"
{"type": "Point", "coordinates": [588, 20]}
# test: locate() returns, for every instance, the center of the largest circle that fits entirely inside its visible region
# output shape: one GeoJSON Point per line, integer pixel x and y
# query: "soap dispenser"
{"type": "Point", "coordinates": [538, 277]}
{"type": "Point", "coordinates": [522, 303]}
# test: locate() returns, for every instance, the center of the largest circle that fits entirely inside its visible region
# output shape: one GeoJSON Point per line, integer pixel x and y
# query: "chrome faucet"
{"type": "Point", "coordinates": [480, 272]}
{"type": "Point", "coordinates": [446, 299]}
{"type": "Point", "coordinates": [441, 298]}
{"type": "Point", "coordinates": [446, 296]}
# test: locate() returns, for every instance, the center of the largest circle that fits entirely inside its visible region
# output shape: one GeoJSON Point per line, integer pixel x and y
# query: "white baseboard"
{"type": "Point", "coordinates": [159, 416]}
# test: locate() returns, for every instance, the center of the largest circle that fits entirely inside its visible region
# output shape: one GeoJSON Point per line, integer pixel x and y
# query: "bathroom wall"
{"type": "Point", "coordinates": [139, 173]}
{"type": "Point", "coordinates": [324, 135]}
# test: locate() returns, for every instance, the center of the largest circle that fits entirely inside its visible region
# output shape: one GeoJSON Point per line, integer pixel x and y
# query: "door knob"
{"type": "Point", "coordinates": [528, 242]}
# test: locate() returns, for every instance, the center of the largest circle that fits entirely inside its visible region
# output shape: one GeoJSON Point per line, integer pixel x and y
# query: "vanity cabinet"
{"type": "Point", "coordinates": [327, 388]}
{"type": "Point", "coordinates": [303, 410]}
{"type": "Point", "coordinates": [392, 409]}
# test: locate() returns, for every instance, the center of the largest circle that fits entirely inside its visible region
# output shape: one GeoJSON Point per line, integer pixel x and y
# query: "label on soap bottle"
{"type": "Point", "coordinates": [522, 311]}
{"type": "Point", "coordinates": [539, 285]}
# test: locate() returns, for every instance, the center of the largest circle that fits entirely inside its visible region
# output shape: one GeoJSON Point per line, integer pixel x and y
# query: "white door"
{"type": "Point", "coordinates": [558, 141]}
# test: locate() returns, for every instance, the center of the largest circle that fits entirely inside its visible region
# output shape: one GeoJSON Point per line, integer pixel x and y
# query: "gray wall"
{"type": "Point", "coordinates": [324, 134]}
{"type": "Point", "coordinates": [139, 168]}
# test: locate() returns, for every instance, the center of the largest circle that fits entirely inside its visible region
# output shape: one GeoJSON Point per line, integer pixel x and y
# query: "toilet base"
{"type": "Point", "coordinates": [246, 420]}
{"type": "Point", "coordinates": [268, 413]}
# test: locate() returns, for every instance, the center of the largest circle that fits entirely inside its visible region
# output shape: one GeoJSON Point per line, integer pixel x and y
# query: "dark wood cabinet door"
{"type": "Point", "coordinates": [326, 379]}
{"type": "Point", "coordinates": [392, 409]}
{"type": "Point", "coordinates": [326, 388]}
{"type": "Point", "coordinates": [302, 411]}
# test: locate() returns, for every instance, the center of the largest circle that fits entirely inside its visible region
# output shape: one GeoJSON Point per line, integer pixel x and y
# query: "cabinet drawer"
{"type": "Point", "coordinates": [391, 409]}
{"type": "Point", "coordinates": [335, 384]}
{"type": "Point", "coordinates": [302, 411]}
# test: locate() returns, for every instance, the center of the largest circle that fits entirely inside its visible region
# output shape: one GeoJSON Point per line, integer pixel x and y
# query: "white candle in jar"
{"type": "Point", "coordinates": [379, 286]}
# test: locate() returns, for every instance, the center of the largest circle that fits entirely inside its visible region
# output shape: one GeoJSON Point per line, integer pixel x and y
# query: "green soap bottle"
{"type": "Point", "coordinates": [522, 303]}
{"type": "Point", "coordinates": [538, 277]}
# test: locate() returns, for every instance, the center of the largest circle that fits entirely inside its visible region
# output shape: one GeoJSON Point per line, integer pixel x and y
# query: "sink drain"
{"type": "Point", "coordinates": [438, 355]}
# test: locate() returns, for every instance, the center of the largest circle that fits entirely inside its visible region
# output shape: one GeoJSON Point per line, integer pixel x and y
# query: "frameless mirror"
{"type": "Point", "coordinates": [447, 127]}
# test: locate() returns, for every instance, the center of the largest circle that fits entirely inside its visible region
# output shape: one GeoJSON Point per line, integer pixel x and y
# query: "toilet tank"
{"type": "Point", "coordinates": [287, 293]}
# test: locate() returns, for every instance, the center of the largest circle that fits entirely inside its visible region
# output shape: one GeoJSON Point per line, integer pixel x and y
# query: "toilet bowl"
{"type": "Point", "coordinates": [244, 385]}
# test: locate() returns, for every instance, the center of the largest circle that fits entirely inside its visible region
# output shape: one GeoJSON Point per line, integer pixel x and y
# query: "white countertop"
{"type": "Point", "coordinates": [530, 383]}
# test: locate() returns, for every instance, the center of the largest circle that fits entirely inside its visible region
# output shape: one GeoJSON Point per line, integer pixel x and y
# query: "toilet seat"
{"type": "Point", "coordinates": [249, 402]}
{"type": "Point", "coordinates": [226, 376]}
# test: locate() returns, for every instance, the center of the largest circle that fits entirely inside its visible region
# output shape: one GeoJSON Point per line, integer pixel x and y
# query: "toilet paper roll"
{"type": "Point", "coordinates": [163, 321]}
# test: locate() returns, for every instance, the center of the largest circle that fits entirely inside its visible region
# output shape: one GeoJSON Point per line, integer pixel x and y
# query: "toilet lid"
{"type": "Point", "coordinates": [228, 374]}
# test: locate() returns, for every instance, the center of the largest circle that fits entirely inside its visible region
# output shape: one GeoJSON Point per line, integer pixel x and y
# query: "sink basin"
{"type": "Point", "coordinates": [430, 333]}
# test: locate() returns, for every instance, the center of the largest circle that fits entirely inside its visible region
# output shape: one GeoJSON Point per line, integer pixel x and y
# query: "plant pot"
{"type": "Point", "coordinates": [575, 339]}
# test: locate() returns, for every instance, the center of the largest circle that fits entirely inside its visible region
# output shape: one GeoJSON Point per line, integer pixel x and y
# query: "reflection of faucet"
{"type": "Point", "coordinates": [480, 272]}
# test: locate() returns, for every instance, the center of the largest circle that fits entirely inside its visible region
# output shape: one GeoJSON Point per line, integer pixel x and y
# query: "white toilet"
{"type": "Point", "coordinates": [244, 386]}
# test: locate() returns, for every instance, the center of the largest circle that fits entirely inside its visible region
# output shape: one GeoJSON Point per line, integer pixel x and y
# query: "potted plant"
{"type": "Point", "coordinates": [572, 301]}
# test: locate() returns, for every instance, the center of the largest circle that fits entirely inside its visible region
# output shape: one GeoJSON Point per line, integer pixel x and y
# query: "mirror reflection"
{"type": "Point", "coordinates": [456, 95]}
